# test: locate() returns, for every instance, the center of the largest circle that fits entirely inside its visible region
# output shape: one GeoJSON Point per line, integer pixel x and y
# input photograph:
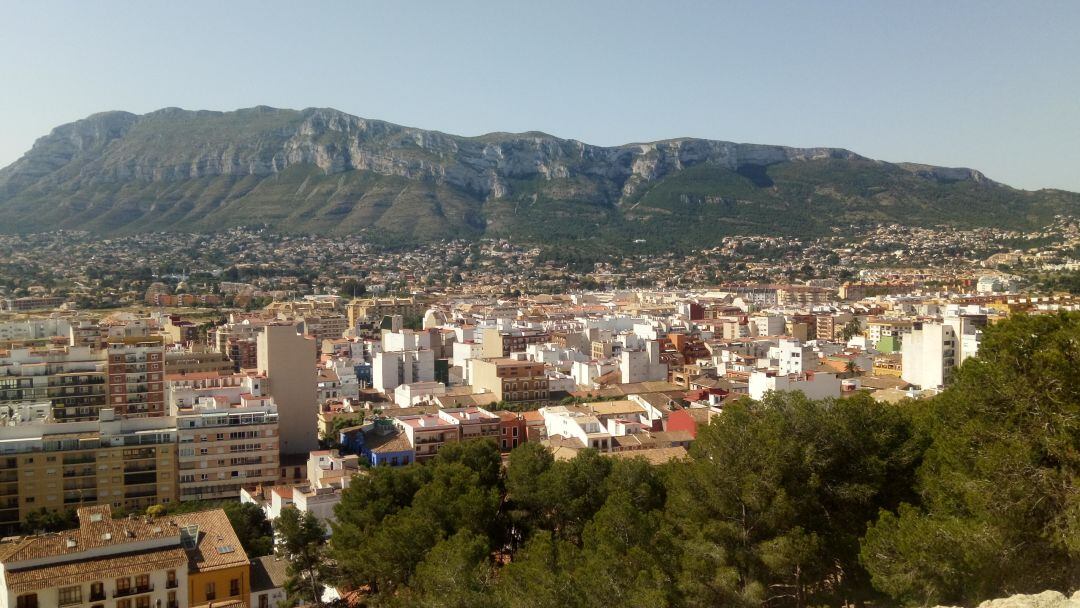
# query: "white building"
{"type": "Point", "coordinates": [768, 325]}
{"type": "Point", "coordinates": [642, 365]}
{"type": "Point", "coordinates": [392, 369]}
{"type": "Point", "coordinates": [586, 428]}
{"type": "Point", "coordinates": [406, 357]}
{"type": "Point", "coordinates": [815, 385]}
{"type": "Point", "coordinates": [792, 357]}
{"type": "Point", "coordinates": [415, 393]}
{"type": "Point", "coordinates": [929, 354]}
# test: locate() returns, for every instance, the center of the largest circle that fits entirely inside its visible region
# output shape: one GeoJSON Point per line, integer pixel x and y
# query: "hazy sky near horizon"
{"type": "Point", "coordinates": [983, 84]}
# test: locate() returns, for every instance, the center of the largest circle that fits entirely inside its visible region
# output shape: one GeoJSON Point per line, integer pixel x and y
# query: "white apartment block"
{"type": "Point", "coordinates": [642, 365]}
{"type": "Point", "coordinates": [929, 354]}
{"type": "Point", "coordinates": [815, 385]}
{"type": "Point", "coordinates": [392, 369]}
{"type": "Point", "coordinates": [792, 357]}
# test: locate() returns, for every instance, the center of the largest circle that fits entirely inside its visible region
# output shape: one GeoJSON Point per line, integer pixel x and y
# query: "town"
{"type": "Point", "coordinates": [168, 373]}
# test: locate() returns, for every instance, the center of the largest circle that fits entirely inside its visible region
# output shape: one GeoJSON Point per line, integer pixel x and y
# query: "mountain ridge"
{"type": "Point", "coordinates": [322, 170]}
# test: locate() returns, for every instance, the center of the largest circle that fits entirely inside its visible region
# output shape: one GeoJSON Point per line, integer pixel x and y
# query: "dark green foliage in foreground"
{"type": "Point", "coordinates": [970, 495]}
{"type": "Point", "coordinates": [301, 542]}
{"type": "Point", "coordinates": [1000, 487]}
{"type": "Point", "coordinates": [772, 504]}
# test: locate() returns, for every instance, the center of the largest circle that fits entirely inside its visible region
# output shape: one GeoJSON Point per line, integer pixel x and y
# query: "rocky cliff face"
{"type": "Point", "coordinates": [324, 170]}
{"type": "Point", "coordinates": [121, 146]}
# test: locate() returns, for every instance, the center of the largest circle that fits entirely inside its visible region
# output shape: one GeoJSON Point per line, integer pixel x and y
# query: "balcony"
{"type": "Point", "coordinates": [97, 596]}
{"type": "Point", "coordinates": [130, 591]}
{"type": "Point", "coordinates": [81, 498]}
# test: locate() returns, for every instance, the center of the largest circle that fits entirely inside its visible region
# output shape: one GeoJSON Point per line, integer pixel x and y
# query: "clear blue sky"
{"type": "Point", "coordinates": [989, 85]}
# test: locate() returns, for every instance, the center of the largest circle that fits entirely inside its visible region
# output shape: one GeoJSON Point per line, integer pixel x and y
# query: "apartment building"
{"type": "Point", "coordinates": [887, 335]}
{"type": "Point", "coordinates": [427, 433]}
{"type": "Point", "coordinates": [197, 360]}
{"type": "Point", "coordinates": [35, 329]}
{"type": "Point", "coordinates": [642, 365]}
{"type": "Point", "coordinates": [405, 358]}
{"type": "Point", "coordinates": [30, 303]}
{"type": "Point", "coordinates": [136, 376]}
{"type": "Point", "coordinates": [126, 463]}
{"type": "Point", "coordinates": [227, 431]}
{"type": "Point", "coordinates": [502, 342]}
{"type": "Point", "coordinates": [325, 326]}
{"type": "Point", "coordinates": [372, 309]}
{"type": "Point", "coordinates": [815, 385]}
{"type": "Point", "coordinates": [287, 360]}
{"type": "Point", "coordinates": [802, 296]}
{"type": "Point", "coordinates": [71, 379]}
{"type": "Point", "coordinates": [239, 342]}
{"type": "Point", "coordinates": [510, 379]}
{"type": "Point", "coordinates": [473, 422]}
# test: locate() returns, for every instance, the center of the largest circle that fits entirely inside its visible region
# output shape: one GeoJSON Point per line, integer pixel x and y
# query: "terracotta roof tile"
{"type": "Point", "coordinates": [218, 547]}
{"type": "Point", "coordinates": [73, 573]}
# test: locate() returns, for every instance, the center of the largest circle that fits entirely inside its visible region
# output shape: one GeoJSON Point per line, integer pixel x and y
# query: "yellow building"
{"type": "Point", "coordinates": [510, 379]}
{"type": "Point", "coordinates": [219, 573]}
{"type": "Point", "coordinates": [373, 309]}
{"type": "Point", "coordinates": [175, 561]}
{"type": "Point", "coordinates": [128, 464]}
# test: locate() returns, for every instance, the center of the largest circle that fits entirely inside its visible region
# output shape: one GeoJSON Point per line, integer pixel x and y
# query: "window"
{"type": "Point", "coordinates": [70, 595]}
{"type": "Point", "coordinates": [27, 601]}
{"type": "Point", "coordinates": [97, 591]}
{"type": "Point", "coordinates": [142, 582]}
{"type": "Point", "coordinates": [211, 591]}
{"type": "Point", "coordinates": [264, 601]}
{"type": "Point", "coordinates": [170, 579]}
{"type": "Point", "coordinates": [123, 603]}
{"type": "Point", "coordinates": [234, 587]}
{"type": "Point", "coordinates": [123, 586]}
{"type": "Point", "coordinates": [142, 602]}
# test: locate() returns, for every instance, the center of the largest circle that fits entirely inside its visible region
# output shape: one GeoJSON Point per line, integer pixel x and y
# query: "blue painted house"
{"type": "Point", "coordinates": [380, 443]}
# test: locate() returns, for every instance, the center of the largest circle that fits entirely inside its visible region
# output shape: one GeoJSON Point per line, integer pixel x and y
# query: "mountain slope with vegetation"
{"type": "Point", "coordinates": [324, 171]}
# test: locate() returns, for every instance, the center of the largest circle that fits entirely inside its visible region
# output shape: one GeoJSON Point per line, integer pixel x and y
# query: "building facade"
{"type": "Point", "coordinates": [128, 464]}
{"type": "Point", "coordinates": [136, 376]}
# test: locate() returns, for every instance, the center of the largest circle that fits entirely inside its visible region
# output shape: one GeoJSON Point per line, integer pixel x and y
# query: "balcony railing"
{"type": "Point", "coordinates": [136, 590]}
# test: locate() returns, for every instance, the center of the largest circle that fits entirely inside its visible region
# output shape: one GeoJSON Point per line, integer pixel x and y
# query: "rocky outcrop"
{"type": "Point", "coordinates": [1046, 599]}
{"type": "Point", "coordinates": [171, 145]}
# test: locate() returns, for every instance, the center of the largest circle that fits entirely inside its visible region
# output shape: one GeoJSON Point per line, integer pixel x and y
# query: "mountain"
{"type": "Point", "coordinates": [323, 171]}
